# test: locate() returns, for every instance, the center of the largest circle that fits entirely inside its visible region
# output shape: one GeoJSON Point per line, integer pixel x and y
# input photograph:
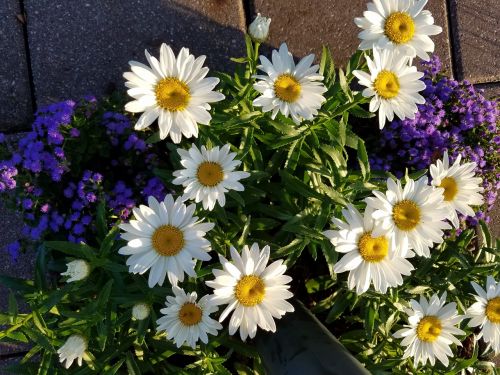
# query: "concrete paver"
{"type": "Point", "coordinates": [476, 39]}
{"type": "Point", "coordinates": [15, 101]}
{"type": "Point", "coordinates": [83, 47]}
{"type": "Point", "coordinates": [308, 25]}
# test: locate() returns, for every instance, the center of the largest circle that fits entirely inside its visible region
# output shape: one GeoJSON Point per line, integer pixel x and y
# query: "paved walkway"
{"type": "Point", "coordinates": [54, 50]}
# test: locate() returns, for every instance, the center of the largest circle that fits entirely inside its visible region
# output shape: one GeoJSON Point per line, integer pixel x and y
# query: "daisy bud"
{"type": "Point", "coordinates": [74, 348]}
{"type": "Point", "coordinates": [77, 270]}
{"type": "Point", "coordinates": [140, 311]}
{"type": "Point", "coordinates": [259, 28]}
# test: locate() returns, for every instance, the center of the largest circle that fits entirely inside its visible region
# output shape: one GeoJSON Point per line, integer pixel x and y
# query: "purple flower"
{"type": "Point", "coordinates": [13, 250]}
{"type": "Point", "coordinates": [456, 117]}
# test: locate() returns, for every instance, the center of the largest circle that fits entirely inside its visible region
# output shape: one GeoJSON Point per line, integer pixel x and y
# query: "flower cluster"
{"type": "Point", "coordinates": [455, 116]}
{"type": "Point", "coordinates": [60, 171]}
{"type": "Point", "coordinates": [397, 31]}
{"type": "Point", "coordinates": [256, 189]}
{"type": "Point", "coordinates": [396, 225]}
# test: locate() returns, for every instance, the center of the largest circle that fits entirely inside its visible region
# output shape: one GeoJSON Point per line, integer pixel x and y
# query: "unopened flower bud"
{"type": "Point", "coordinates": [259, 28]}
{"type": "Point", "coordinates": [77, 270]}
{"type": "Point", "coordinates": [73, 349]}
{"type": "Point", "coordinates": [140, 311]}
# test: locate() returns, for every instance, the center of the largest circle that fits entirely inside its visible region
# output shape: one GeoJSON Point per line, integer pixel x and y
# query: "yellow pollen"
{"type": "Point", "coordinates": [493, 310]}
{"type": "Point", "coordinates": [210, 173]}
{"type": "Point", "coordinates": [190, 314]}
{"type": "Point", "coordinates": [399, 27]}
{"type": "Point", "coordinates": [450, 188]}
{"type": "Point", "coordinates": [429, 328]}
{"type": "Point", "coordinates": [172, 94]}
{"type": "Point", "coordinates": [373, 249]}
{"type": "Point", "coordinates": [287, 88]}
{"type": "Point", "coordinates": [386, 84]}
{"type": "Point", "coordinates": [250, 290]}
{"type": "Point", "coordinates": [406, 215]}
{"type": "Point", "coordinates": [167, 240]}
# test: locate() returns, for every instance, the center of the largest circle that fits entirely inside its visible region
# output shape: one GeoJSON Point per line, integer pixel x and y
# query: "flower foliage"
{"type": "Point", "coordinates": [83, 173]}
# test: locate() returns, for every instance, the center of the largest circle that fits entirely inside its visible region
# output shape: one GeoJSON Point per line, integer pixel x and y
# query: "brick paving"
{"type": "Point", "coordinates": [82, 47]}
{"type": "Point", "coordinates": [15, 101]}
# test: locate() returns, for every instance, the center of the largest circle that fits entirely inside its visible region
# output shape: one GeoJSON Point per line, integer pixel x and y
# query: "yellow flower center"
{"type": "Point", "coordinates": [399, 27]}
{"type": "Point", "coordinates": [190, 314]}
{"type": "Point", "coordinates": [210, 173]}
{"type": "Point", "coordinates": [167, 240]}
{"type": "Point", "coordinates": [493, 310]}
{"type": "Point", "coordinates": [450, 188]}
{"type": "Point", "coordinates": [287, 88]}
{"type": "Point", "coordinates": [250, 290]}
{"type": "Point", "coordinates": [429, 328]}
{"type": "Point", "coordinates": [386, 84]}
{"type": "Point", "coordinates": [406, 215]}
{"type": "Point", "coordinates": [373, 249]}
{"type": "Point", "coordinates": [172, 94]}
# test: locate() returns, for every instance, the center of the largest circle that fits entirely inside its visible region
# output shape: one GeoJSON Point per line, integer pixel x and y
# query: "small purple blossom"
{"type": "Point", "coordinates": [456, 117]}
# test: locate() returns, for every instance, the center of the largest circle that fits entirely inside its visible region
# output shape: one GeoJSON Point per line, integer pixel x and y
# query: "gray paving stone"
{"type": "Point", "coordinates": [491, 90]}
{"type": "Point", "coordinates": [83, 47]}
{"type": "Point", "coordinates": [476, 33]}
{"type": "Point", "coordinates": [307, 25]}
{"type": "Point", "coordinates": [15, 101]}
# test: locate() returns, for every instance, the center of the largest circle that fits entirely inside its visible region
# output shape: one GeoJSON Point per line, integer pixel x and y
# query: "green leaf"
{"type": "Point", "coordinates": [46, 364]}
{"type": "Point", "coordinates": [370, 316]}
{"type": "Point", "coordinates": [293, 155]}
{"type": "Point", "coordinates": [101, 225]}
{"type": "Point", "coordinates": [80, 250]}
{"type": "Point", "coordinates": [345, 86]}
{"type": "Point", "coordinates": [109, 240]}
{"type": "Point", "coordinates": [39, 338]}
{"type": "Point", "coordinates": [487, 238]}
{"type": "Point", "coordinates": [294, 184]}
{"type": "Point", "coordinates": [364, 164]}
{"type": "Point", "coordinates": [103, 298]}
{"type": "Point", "coordinates": [132, 366]}
{"type": "Point", "coordinates": [330, 255]}
{"type": "Point", "coordinates": [341, 303]}
{"type": "Point", "coordinates": [14, 283]}
{"type": "Point", "coordinates": [13, 310]}
{"type": "Point", "coordinates": [154, 138]}
{"type": "Point", "coordinates": [41, 268]}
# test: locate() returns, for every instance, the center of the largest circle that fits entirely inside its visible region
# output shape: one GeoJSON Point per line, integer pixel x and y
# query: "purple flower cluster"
{"type": "Point", "coordinates": [455, 117]}
{"type": "Point", "coordinates": [7, 174]}
{"type": "Point", "coordinates": [40, 150]}
{"type": "Point", "coordinates": [77, 155]}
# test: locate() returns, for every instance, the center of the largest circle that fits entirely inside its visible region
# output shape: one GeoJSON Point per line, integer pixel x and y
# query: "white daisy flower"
{"type": "Point", "coordinates": [140, 311]}
{"type": "Point", "coordinates": [413, 217]}
{"type": "Point", "coordinates": [209, 174]}
{"type": "Point", "coordinates": [486, 312]}
{"type": "Point", "coordinates": [461, 188]}
{"type": "Point", "coordinates": [77, 270]}
{"type": "Point", "coordinates": [172, 90]}
{"type": "Point", "coordinates": [368, 259]}
{"type": "Point", "coordinates": [402, 25]}
{"type": "Point", "coordinates": [393, 84]}
{"type": "Point", "coordinates": [256, 293]}
{"type": "Point", "coordinates": [167, 238]}
{"type": "Point", "coordinates": [74, 348]}
{"type": "Point", "coordinates": [295, 91]}
{"type": "Point", "coordinates": [186, 321]}
{"type": "Point", "coordinates": [431, 330]}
